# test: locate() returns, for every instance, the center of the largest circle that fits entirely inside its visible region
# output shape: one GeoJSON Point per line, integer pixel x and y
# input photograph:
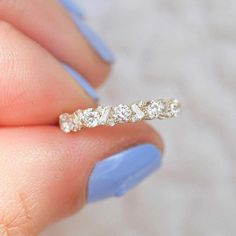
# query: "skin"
{"type": "Point", "coordinates": [44, 172]}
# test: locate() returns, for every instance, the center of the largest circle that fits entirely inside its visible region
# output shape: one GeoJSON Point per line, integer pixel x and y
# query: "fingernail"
{"type": "Point", "coordinates": [83, 83]}
{"type": "Point", "coordinates": [73, 8]}
{"type": "Point", "coordinates": [116, 175]}
{"type": "Point", "coordinates": [94, 40]}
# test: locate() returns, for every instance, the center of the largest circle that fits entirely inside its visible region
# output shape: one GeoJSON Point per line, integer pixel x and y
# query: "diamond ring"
{"type": "Point", "coordinates": [109, 116]}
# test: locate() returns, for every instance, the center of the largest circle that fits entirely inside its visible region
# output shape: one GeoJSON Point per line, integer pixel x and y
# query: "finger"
{"type": "Point", "coordinates": [35, 87]}
{"type": "Point", "coordinates": [72, 42]}
{"type": "Point", "coordinates": [50, 175]}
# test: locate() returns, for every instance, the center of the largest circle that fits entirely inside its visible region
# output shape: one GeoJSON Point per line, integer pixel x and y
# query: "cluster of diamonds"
{"type": "Point", "coordinates": [110, 116]}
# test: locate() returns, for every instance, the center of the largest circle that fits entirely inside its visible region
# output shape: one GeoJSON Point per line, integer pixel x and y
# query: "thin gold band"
{"type": "Point", "coordinates": [111, 115]}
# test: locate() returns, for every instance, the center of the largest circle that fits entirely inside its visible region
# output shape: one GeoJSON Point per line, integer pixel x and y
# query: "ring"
{"type": "Point", "coordinates": [112, 115]}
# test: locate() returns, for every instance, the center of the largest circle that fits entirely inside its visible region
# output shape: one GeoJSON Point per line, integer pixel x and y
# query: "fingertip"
{"type": "Point", "coordinates": [94, 40]}
{"type": "Point", "coordinates": [121, 172]}
{"type": "Point", "coordinates": [83, 83]}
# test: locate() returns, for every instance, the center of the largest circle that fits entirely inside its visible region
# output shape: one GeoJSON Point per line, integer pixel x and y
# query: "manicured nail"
{"type": "Point", "coordinates": [83, 83]}
{"type": "Point", "coordinates": [116, 175]}
{"type": "Point", "coordinates": [95, 41]}
{"type": "Point", "coordinates": [73, 7]}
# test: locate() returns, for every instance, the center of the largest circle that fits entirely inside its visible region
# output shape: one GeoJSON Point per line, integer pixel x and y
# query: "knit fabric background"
{"type": "Point", "coordinates": [184, 49]}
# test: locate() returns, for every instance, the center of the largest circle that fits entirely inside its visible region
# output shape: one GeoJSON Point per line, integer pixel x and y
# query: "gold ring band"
{"type": "Point", "coordinates": [112, 115]}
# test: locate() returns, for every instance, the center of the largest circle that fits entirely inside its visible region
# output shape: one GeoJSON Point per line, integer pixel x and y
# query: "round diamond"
{"type": "Point", "coordinates": [90, 118]}
{"type": "Point", "coordinates": [155, 108]}
{"type": "Point", "coordinates": [173, 108]}
{"type": "Point", "coordinates": [66, 123]}
{"type": "Point", "coordinates": [122, 113]}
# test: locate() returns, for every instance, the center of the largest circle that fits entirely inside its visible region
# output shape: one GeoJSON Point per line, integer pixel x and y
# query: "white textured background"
{"type": "Point", "coordinates": [172, 48]}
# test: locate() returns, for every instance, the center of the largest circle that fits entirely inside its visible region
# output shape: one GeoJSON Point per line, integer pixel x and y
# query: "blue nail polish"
{"type": "Point", "coordinates": [73, 7]}
{"type": "Point", "coordinates": [95, 41]}
{"type": "Point", "coordinates": [83, 83]}
{"type": "Point", "coordinates": [116, 175]}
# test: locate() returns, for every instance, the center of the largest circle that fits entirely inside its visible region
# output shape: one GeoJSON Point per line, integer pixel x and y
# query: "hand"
{"type": "Point", "coordinates": [45, 174]}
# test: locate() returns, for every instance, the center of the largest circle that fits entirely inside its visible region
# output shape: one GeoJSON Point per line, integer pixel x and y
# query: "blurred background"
{"type": "Point", "coordinates": [184, 49]}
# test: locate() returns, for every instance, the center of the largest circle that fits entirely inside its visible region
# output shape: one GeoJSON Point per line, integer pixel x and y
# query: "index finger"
{"type": "Point", "coordinates": [35, 87]}
{"type": "Point", "coordinates": [72, 42]}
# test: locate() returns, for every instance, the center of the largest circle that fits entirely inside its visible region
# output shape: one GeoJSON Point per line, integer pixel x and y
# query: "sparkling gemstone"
{"type": "Point", "coordinates": [122, 113]}
{"type": "Point", "coordinates": [111, 122]}
{"type": "Point", "coordinates": [90, 118]}
{"type": "Point", "coordinates": [141, 103]}
{"type": "Point", "coordinates": [104, 113]}
{"type": "Point", "coordinates": [138, 113]}
{"type": "Point", "coordinates": [156, 108]}
{"type": "Point", "coordinates": [66, 123]}
{"type": "Point", "coordinates": [173, 108]}
{"type": "Point", "coordinates": [77, 120]}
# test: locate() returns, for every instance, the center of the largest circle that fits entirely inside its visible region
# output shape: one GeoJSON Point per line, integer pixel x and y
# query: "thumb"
{"type": "Point", "coordinates": [47, 175]}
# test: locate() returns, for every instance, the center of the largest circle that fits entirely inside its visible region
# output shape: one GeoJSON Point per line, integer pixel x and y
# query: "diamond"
{"type": "Point", "coordinates": [77, 120]}
{"type": "Point", "coordinates": [90, 118]}
{"type": "Point", "coordinates": [66, 123]}
{"type": "Point", "coordinates": [141, 103]}
{"type": "Point", "coordinates": [155, 108]}
{"type": "Point", "coordinates": [111, 122]}
{"type": "Point", "coordinates": [107, 115]}
{"type": "Point", "coordinates": [104, 112]}
{"type": "Point", "coordinates": [173, 108]}
{"type": "Point", "coordinates": [139, 114]}
{"type": "Point", "coordinates": [122, 113]}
